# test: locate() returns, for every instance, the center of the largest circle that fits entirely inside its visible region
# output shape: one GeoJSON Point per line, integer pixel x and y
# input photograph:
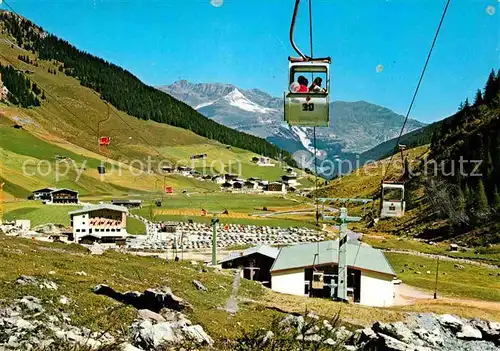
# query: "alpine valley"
{"type": "Point", "coordinates": [355, 127]}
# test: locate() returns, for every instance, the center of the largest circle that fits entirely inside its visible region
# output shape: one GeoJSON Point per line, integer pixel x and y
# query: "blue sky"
{"type": "Point", "coordinates": [245, 42]}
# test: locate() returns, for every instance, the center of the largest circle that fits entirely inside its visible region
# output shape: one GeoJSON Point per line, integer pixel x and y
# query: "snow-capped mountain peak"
{"type": "Point", "coordinates": [237, 99]}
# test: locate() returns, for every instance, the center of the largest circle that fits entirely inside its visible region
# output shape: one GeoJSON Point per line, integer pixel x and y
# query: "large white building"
{"type": "Point", "coordinates": [370, 276]}
{"type": "Point", "coordinates": [99, 223]}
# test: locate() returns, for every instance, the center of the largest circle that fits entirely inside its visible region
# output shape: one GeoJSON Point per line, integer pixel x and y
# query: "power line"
{"type": "Point", "coordinates": [419, 83]}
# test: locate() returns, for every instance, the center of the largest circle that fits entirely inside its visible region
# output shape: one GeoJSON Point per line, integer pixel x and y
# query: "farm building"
{"type": "Point", "coordinates": [251, 185]}
{"type": "Point", "coordinates": [230, 177]}
{"type": "Point", "coordinates": [219, 179]}
{"type": "Point", "coordinates": [255, 262]}
{"type": "Point", "coordinates": [64, 196]}
{"type": "Point", "coordinates": [275, 187]}
{"type": "Point", "coordinates": [289, 179]}
{"type": "Point", "coordinates": [99, 223]}
{"type": "Point", "coordinates": [56, 196]}
{"type": "Point", "coordinates": [127, 203]}
{"type": "Point", "coordinates": [43, 194]}
{"type": "Point", "coordinates": [369, 273]}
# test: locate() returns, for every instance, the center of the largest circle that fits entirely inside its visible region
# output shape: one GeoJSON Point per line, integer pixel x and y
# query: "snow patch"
{"type": "Point", "coordinates": [237, 99]}
{"type": "Point", "coordinates": [204, 104]}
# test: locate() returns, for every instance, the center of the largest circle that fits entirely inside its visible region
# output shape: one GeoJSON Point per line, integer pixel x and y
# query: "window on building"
{"type": "Point", "coordinates": [78, 230]}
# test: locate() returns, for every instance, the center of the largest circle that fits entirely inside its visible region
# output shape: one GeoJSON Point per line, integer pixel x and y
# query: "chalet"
{"type": "Point", "coordinates": [238, 185]}
{"type": "Point", "coordinates": [256, 263]}
{"type": "Point", "coordinates": [226, 185]}
{"type": "Point", "coordinates": [254, 179]}
{"type": "Point", "coordinates": [370, 276]}
{"type": "Point", "coordinates": [207, 177]}
{"type": "Point", "coordinates": [198, 157]}
{"type": "Point", "coordinates": [167, 169]}
{"type": "Point", "coordinates": [250, 185]}
{"type": "Point", "coordinates": [219, 179]}
{"type": "Point", "coordinates": [56, 196]}
{"type": "Point", "coordinates": [185, 171]}
{"type": "Point", "coordinates": [230, 177]}
{"type": "Point", "coordinates": [99, 223]}
{"type": "Point", "coordinates": [275, 187]}
{"type": "Point", "coordinates": [264, 162]}
{"type": "Point", "coordinates": [64, 196]}
{"type": "Point", "coordinates": [127, 203]}
{"type": "Point", "coordinates": [42, 194]}
{"type": "Point", "coordinates": [289, 179]}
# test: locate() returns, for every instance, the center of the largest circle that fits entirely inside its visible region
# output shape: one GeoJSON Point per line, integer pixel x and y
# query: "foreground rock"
{"type": "Point", "coordinates": [429, 332]}
{"type": "Point", "coordinates": [152, 330]}
{"type": "Point", "coordinates": [24, 326]}
{"type": "Point", "coordinates": [151, 299]}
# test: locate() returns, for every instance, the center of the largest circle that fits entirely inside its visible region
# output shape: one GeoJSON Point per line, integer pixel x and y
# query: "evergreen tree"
{"type": "Point", "coordinates": [496, 200]}
{"type": "Point", "coordinates": [490, 90]}
{"type": "Point", "coordinates": [478, 100]}
{"type": "Point", "coordinates": [481, 207]}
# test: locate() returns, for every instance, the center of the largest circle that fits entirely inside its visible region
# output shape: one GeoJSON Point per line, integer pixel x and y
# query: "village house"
{"type": "Point", "coordinates": [56, 196]}
{"type": "Point", "coordinates": [274, 187]}
{"type": "Point", "coordinates": [255, 263]}
{"type": "Point", "coordinates": [184, 171]}
{"type": "Point", "coordinates": [127, 203]}
{"type": "Point", "coordinates": [99, 223]}
{"type": "Point", "coordinates": [289, 179]}
{"type": "Point", "coordinates": [370, 276]}
{"type": "Point", "coordinates": [219, 179]}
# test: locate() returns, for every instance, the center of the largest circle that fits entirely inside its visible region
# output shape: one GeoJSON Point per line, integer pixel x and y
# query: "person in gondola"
{"type": "Point", "coordinates": [316, 86]}
{"type": "Point", "coordinates": [303, 83]}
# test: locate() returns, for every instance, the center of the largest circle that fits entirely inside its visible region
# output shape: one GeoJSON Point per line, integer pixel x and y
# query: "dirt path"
{"type": "Point", "coordinates": [407, 295]}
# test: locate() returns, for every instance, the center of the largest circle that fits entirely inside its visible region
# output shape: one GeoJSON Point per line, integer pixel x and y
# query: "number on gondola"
{"type": "Point", "coordinates": [308, 107]}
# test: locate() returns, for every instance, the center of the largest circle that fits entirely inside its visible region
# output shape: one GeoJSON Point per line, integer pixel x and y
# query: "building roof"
{"type": "Point", "coordinates": [64, 189]}
{"type": "Point", "coordinates": [44, 190]}
{"type": "Point", "coordinates": [91, 208]}
{"type": "Point", "coordinates": [126, 201]}
{"type": "Point", "coordinates": [265, 250]}
{"type": "Point", "coordinates": [359, 256]}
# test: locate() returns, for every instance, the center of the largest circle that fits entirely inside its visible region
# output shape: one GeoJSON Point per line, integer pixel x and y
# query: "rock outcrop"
{"type": "Point", "coordinates": [151, 299]}
{"type": "Point", "coordinates": [428, 331]}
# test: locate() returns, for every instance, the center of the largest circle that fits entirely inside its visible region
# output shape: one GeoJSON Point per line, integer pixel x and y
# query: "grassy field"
{"type": "Point", "coordinates": [41, 214]}
{"type": "Point", "coordinates": [487, 255]}
{"type": "Point", "coordinates": [124, 273]}
{"type": "Point", "coordinates": [127, 273]}
{"type": "Point", "coordinates": [474, 282]}
{"type": "Point", "coordinates": [135, 226]}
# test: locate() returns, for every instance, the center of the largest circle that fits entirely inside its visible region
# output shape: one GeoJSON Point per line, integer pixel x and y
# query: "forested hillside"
{"type": "Point", "coordinates": [125, 91]}
{"type": "Point", "coordinates": [462, 173]}
{"type": "Point", "coordinates": [21, 91]}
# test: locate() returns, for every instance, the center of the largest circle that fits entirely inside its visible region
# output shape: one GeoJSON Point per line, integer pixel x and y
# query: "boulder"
{"type": "Point", "coordinates": [196, 332]}
{"type": "Point", "coordinates": [396, 330]}
{"type": "Point", "coordinates": [150, 299]}
{"type": "Point", "coordinates": [199, 285]}
{"type": "Point", "coordinates": [468, 332]}
{"type": "Point", "coordinates": [451, 322]}
{"type": "Point", "coordinates": [389, 343]}
{"type": "Point", "coordinates": [150, 316]}
{"type": "Point", "coordinates": [26, 280]}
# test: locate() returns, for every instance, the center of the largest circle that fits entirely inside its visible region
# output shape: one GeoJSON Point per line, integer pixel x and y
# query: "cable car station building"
{"type": "Point", "coordinates": [99, 223]}
{"type": "Point", "coordinates": [311, 270]}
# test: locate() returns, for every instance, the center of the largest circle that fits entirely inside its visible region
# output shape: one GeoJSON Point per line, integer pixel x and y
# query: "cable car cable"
{"type": "Point", "coordinates": [419, 83]}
